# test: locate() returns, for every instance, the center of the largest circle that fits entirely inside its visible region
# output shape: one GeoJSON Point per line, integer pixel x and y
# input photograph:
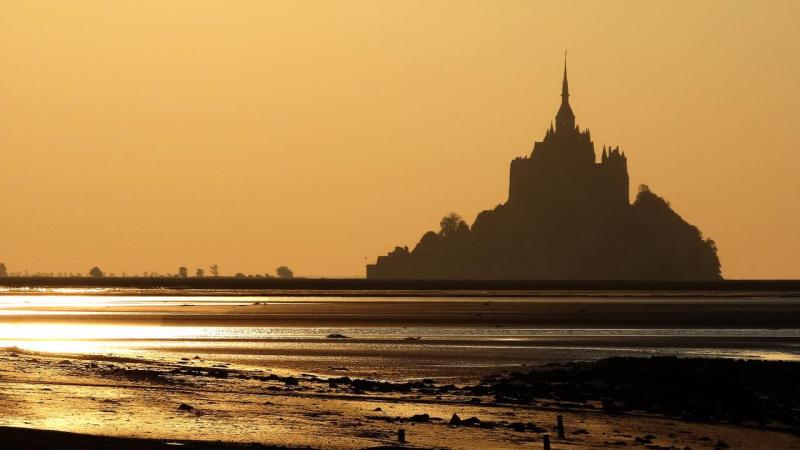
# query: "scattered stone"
{"type": "Point", "coordinates": [185, 407]}
{"type": "Point", "coordinates": [336, 336]}
{"type": "Point", "coordinates": [580, 431]}
{"type": "Point", "coordinates": [471, 422]}
{"type": "Point", "coordinates": [455, 420]}
{"type": "Point", "coordinates": [386, 419]}
{"type": "Point", "coordinates": [420, 418]}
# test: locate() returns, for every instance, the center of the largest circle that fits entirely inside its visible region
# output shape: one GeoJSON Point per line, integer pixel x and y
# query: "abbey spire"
{"type": "Point", "coordinates": [565, 118]}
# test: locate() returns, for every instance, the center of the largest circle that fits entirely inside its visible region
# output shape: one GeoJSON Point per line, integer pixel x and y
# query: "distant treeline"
{"type": "Point", "coordinates": [183, 272]}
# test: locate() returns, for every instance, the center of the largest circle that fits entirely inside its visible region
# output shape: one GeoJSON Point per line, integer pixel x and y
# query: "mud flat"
{"type": "Point", "coordinates": [617, 402]}
{"type": "Point", "coordinates": [14, 438]}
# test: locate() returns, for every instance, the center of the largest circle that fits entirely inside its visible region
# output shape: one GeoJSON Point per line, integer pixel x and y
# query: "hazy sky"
{"type": "Point", "coordinates": [144, 135]}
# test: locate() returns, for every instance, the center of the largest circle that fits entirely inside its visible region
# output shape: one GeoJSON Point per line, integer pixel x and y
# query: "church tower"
{"type": "Point", "coordinates": [565, 118]}
{"type": "Point", "coordinates": [562, 174]}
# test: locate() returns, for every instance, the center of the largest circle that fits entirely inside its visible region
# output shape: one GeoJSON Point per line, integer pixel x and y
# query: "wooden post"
{"type": "Point", "coordinates": [560, 425]}
{"type": "Point", "coordinates": [401, 436]}
{"type": "Point", "coordinates": [546, 441]}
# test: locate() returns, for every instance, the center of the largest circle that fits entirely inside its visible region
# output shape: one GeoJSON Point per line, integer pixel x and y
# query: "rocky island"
{"type": "Point", "coordinates": [567, 217]}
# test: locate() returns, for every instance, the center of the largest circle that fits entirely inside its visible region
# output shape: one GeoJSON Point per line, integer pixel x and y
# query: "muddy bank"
{"type": "Point", "coordinates": [31, 439]}
{"type": "Point", "coordinates": [195, 398]}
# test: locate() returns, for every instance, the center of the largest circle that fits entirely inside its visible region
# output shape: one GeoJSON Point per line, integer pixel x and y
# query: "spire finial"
{"type": "Point", "coordinates": [565, 84]}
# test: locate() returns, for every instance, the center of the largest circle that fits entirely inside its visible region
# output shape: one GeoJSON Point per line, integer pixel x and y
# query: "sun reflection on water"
{"type": "Point", "coordinates": [88, 338]}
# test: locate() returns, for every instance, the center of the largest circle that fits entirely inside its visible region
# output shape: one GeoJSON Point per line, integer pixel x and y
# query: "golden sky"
{"type": "Point", "coordinates": [143, 135]}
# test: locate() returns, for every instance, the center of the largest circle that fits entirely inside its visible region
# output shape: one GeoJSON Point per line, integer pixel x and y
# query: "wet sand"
{"type": "Point", "coordinates": [32, 439]}
{"type": "Point", "coordinates": [264, 369]}
{"type": "Point", "coordinates": [139, 398]}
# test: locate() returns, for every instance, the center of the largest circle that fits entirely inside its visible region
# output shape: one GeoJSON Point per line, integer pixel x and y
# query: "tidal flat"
{"type": "Point", "coordinates": [206, 372]}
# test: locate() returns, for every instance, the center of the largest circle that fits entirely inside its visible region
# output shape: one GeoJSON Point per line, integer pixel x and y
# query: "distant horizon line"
{"type": "Point", "coordinates": [321, 286]}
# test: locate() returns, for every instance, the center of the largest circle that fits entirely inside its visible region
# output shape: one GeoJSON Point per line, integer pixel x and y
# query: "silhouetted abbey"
{"type": "Point", "coordinates": [567, 217]}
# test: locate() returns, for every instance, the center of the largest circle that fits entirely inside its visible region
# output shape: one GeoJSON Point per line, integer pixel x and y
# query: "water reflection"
{"type": "Point", "coordinates": [42, 323]}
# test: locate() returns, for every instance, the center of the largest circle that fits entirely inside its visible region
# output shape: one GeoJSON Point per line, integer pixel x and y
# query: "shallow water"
{"type": "Point", "coordinates": [412, 337]}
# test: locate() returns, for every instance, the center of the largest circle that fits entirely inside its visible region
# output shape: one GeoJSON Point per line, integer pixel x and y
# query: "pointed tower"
{"type": "Point", "coordinates": [565, 118]}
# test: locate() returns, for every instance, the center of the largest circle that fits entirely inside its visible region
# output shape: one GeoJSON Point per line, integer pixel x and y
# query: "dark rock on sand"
{"type": "Point", "coordinates": [472, 421]}
{"type": "Point", "coordinates": [380, 386]}
{"type": "Point", "coordinates": [707, 390]}
{"type": "Point", "coordinates": [530, 426]}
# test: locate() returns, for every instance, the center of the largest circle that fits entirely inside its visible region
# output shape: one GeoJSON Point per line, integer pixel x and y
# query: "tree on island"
{"type": "Point", "coordinates": [183, 272]}
{"type": "Point", "coordinates": [284, 272]}
{"type": "Point", "coordinates": [452, 224]}
{"type": "Point", "coordinates": [95, 272]}
{"type": "Point", "coordinates": [3, 270]}
{"type": "Point", "coordinates": [214, 270]}
{"type": "Point", "coordinates": [199, 273]}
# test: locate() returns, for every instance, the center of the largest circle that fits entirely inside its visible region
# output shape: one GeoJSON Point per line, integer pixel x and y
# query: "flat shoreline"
{"type": "Point", "coordinates": [199, 404]}
{"type": "Point", "coordinates": [40, 439]}
{"type": "Point", "coordinates": [388, 288]}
